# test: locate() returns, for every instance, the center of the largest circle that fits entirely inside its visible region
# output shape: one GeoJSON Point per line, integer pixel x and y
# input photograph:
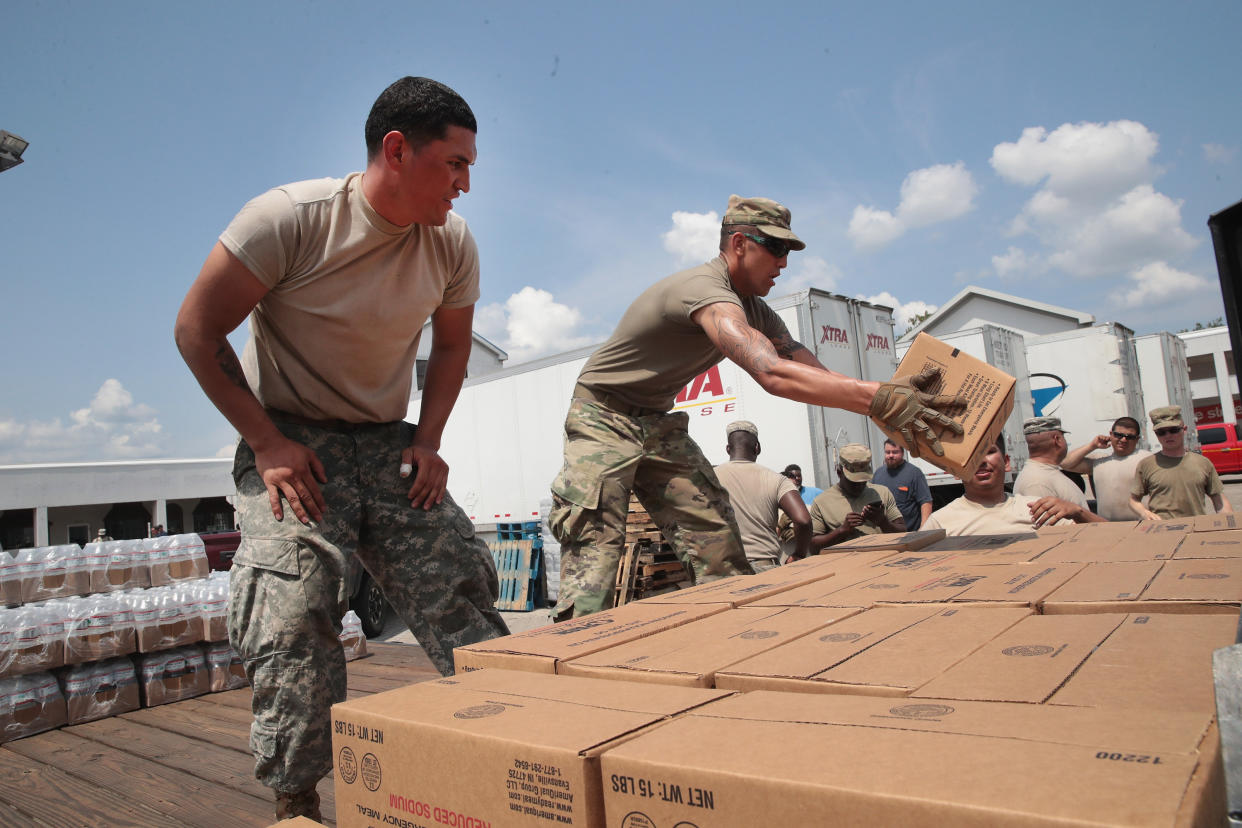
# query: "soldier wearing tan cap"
{"type": "Point", "coordinates": [853, 507]}
{"type": "Point", "coordinates": [759, 495]}
{"type": "Point", "coordinates": [1041, 476]}
{"type": "Point", "coordinates": [619, 434]}
{"type": "Point", "coordinates": [1178, 482]}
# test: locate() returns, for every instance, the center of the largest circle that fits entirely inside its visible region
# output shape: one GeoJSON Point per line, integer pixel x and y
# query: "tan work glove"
{"type": "Point", "coordinates": [905, 406]}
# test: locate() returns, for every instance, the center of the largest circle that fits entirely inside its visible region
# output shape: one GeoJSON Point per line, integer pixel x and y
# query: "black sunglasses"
{"type": "Point", "coordinates": [778, 250]}
{"type": "Point", "coordinates": [1165, 432]}
{"type": "Point", "coordinates": [1121, 436]}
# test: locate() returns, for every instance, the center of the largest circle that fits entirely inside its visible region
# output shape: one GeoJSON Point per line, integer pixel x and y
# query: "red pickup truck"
{"type": "Point", "coordinates": [1219, 443]}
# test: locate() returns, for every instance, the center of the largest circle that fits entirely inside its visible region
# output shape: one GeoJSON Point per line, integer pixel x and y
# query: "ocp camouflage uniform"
{"type": "Point", "coordinates": [289, 581]}
{"type": "Point", "coordinates": [608, 454]}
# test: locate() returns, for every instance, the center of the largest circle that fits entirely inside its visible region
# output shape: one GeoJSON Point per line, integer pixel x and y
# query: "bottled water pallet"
{"type": "Point", "coordinates": [518, 564]}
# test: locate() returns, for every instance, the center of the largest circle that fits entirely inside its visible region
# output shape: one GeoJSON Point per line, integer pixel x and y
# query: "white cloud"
{"type": "Point", "coordinates": [1016, 262]}
{"type": "Point", "coordinates": [1219, 153]}
{"type": "Point", "coordinates": [1096, 212]}
{"type": "Point", "coordinates": [903, 312]}
{"type": "Point", "coordinates": [1141, 226]}
{"type": "Point", "coordinates": [872, 229]}
{"type": "Point", "coordinates": [807, 272]}
{"type": "Point", "coordinates": [928, 196]}
{"type": "Point", "coordinates": [531, 324]}
{"type": "Point", "coordinates": [1087, 161]}
{"type": "Point", "coordinates": [1157, 282]}
{"type": "Point", "coordinates": [935, 194]}
{"type": "Point", "coordinates": [111, 427]}
{"type": "Point", "coordinates": [695, 237]}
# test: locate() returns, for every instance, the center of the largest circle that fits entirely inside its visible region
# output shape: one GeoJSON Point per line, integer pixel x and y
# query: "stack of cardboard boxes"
{"type": "Point", "coordinates": [1052, 678]}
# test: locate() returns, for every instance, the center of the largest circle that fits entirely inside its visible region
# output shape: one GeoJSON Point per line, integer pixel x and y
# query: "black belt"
{"type": "Point", "coordinates": [614, 403]}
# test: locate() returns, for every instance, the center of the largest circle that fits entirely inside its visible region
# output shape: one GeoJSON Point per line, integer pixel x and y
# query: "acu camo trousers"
{"type": "Point", "coordinates": [289, 582]}
{"type": "Point", "coordinates": [609, 454]}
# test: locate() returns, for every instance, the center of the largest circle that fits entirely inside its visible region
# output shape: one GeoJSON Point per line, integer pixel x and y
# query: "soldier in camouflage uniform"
{"type": "Point", "coordinates": [619, 434]}
{"type": "Point", "coordinates": [338, 277]}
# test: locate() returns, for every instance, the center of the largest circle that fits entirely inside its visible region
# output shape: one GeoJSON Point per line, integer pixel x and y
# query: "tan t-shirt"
{"type": "Point", "coordinates": [1039, 479]}
{"type": "Point", "coordinates": [337, 334]}
{"type": "Point", "coordinates": [657, 348]}
{"type": "Point", "coordinates": [1113, 477]}
{"type": "Point", "coordinates": [755, 492]}
{"type": "Point", "coordinates": [829, 508]}
{"type": "Point", "coordinates": [1177, 485]}
{"type": "Point", "coordinates": [965, 517]}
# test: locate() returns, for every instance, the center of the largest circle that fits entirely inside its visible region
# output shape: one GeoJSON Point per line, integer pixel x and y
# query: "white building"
{"type": "Point", "coordinates": [54, 503]}
{"type": "Point", "coordinates": [1213, 378]}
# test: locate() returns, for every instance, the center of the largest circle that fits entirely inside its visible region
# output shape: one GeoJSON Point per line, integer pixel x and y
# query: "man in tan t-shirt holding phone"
{"type": "Point", "coordinates": [620, 436]}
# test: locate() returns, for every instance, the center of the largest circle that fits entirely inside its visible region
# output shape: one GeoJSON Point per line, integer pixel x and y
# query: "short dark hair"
{"type": "Point", "coordinates": [891, 442]}
{"type": "Point", "coordinates": [1128, 422]}
{"type": "Point", "coordinates": [792, 467]}
{"type": "Point", "coordinates": [1000, 442]}
{"type": "Point", "coordinates": [421, 109]}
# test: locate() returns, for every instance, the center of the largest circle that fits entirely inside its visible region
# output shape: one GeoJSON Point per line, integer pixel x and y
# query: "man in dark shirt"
{"type": "Point", "coordinates": [907, 483]}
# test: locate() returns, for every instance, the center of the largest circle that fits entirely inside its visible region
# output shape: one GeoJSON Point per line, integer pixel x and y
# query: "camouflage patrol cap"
{"type": "Point", "coordinates": [765, 215]}
{"type": "Point", "coordinates": [1038, 425]}
{"type": "Point", "coordinates": [1168, 415]}
{"type": "Point", "coordinates": [741, 425]}
{"type": "Point", "coordinates": [855, 462]}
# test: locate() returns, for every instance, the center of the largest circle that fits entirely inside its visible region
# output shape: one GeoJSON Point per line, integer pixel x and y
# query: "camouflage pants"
{"type": "Point", "coordinates": [288, 588]}
{"type": "Point", "coordinates": [608, 455]}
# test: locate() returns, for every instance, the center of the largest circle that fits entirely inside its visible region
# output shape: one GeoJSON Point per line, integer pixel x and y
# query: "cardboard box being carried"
{"type": "Point", "coordinates": [540, 650]}
{"type": "Point", "coordinates": [490, 747]}
{"type": "Point", "coordinates": [690, 655]}
{"type": "Point", "coordinates": [989, 394]}
{"type": "Point", "coordinates": [766, 759]}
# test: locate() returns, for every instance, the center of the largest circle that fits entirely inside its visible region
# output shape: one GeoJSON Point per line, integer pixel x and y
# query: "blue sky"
{"type": "Point", "coordinates": [1069, 153]}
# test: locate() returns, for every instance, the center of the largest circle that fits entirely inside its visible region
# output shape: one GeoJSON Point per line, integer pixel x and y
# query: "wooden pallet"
{"type": "Point", "coordinates": [518, 563]}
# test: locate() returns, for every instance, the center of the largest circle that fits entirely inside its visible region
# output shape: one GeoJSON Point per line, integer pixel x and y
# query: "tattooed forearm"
{"type": "Point", "coordinates": [786, 346]}
{"type": "Point", "coordinates": [226, 358]}
{"type": "Point", "coordinates": [744, 345]}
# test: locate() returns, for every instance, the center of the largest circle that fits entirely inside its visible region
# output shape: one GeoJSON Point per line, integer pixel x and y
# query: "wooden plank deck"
{"type": "Point", "coordinates": [180, 764]}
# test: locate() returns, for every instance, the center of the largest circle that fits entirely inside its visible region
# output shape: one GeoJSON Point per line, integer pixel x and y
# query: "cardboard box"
{"type": "Point", "coordinates": [897, 541]}
{"type": "Point", "coordinates": [1221, 544]}
{"type": "Point", "coordinates": [989, 393]}
{"type": "Point", "coordinates": [1215, 523]}
{"type": "Point", "coordinates": [490, 747]}
{"type": "Point", "coordinates": [1114, 547]}
{"type": "Point", "coordinates": [1145, 659]}
{"type": "Point", "coordinates": [1211, 586]}
{"type": "Point", "coordinates": [989, 549]}
{"type": "Point", "coordinates": [1182, 526]}
{"type": "Point", "coordinates": [540, 650]}
{"type": "Point", "coordinates": [745, 589]}
{"type": "Point", "coordinates": [1004, 585]}
{"type": "Point", "coordinates": [886, 651]}
{"type": "Point", "coordinates": [691, 655]}
{"type": "Point", "coordinates": [840, 760]}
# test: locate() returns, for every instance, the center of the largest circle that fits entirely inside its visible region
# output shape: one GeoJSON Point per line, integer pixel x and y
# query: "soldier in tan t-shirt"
{"type": "Point", "coordinates": [758, 496]}
{"type": "Point", "coordinates": [987, 509]}
{"type": "Point", "coordinates": [1178, 483]}
{"type": "Point", "coordinates": [338, 277]}
{"type": "Point", "coordinates": [853, 507]}
{"type": "Point", "coordinates": [620, 438]}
